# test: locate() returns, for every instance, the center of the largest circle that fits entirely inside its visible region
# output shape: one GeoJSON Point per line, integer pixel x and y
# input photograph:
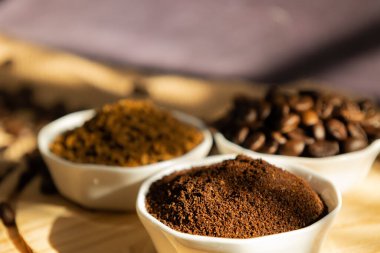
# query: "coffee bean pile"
{"type": "Point", "coordinates": [21, 117]}
{"type": "Point", "coordinates": [306, 123]}
{"type": "Point", "coordinates": [237, 198]}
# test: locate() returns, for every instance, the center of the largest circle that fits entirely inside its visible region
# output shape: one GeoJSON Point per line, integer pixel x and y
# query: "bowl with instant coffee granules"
{"type": "Point", "coordinates": [332, 134]}
{"type": "Point", "coordinates": [99, 158]}
{"type": "Point", "coordinates": [230, 203]}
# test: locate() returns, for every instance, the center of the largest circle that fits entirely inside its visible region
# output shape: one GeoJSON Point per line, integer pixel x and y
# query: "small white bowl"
{"type": "Point", "coordinates": [305, 240]}
{"type": "Point", "coordinates": [345, 170]}
{"type": "Point", "coordinates": [102, 186]}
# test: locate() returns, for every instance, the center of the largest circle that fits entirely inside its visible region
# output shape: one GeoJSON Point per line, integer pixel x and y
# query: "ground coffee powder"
{"type": "Point", "coordinates": [238, 198]}
{"type": "Point", "coordinates": [128, 133]}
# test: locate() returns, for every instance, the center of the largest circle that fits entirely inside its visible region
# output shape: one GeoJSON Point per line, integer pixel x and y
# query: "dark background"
{"type": "Point", "coordinates": [337, 42]}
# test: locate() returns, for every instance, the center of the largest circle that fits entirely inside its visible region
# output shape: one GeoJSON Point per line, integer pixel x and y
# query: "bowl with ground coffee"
{"type": "Point", "coordinates": [335, 135]}
{"type": "Point", "coordinates": [99, 158]}
{"type": "Point", "coordinates": [230, 203]}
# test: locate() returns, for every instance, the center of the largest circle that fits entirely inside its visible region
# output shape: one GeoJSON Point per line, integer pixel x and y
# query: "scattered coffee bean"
{"type": "Point", "coordinates": [323, 148]}
{"type": "Point", "coordinates": [21, 114]}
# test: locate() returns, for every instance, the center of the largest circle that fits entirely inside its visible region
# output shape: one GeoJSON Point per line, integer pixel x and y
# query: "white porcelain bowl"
{"type": "Point", "coordinates": [305, 240]}
{"type": "Point", "coordinates": [102, 186]}
{"type": "Point", "coordinates": [345, 170]}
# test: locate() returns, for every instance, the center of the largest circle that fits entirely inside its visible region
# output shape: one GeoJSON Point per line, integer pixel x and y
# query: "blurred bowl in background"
{"type": "Point", "coordinates": [344, 170]}
{"type": "Point", "coordinates": [103, 186]}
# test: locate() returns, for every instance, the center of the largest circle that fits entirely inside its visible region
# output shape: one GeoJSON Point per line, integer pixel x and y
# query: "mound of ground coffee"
{"type": "Point", "coordinates": [128, 133]}
{"type": "Point", "coordinates": [238, 198]}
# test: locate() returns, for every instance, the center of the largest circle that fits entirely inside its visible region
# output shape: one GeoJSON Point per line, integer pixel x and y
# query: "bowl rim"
{"type": "Point", "coordinates": [220, 139]}
{"type": "Point", "coordinates": [43, 142]}
{"type": "Point", "coordinates": [141, 208]}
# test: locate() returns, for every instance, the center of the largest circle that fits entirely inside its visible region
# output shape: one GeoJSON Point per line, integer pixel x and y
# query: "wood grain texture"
{"type": "Point", "coordinates": [53, 224]}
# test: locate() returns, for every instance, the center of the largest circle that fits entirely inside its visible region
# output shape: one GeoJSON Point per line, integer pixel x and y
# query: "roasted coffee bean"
{"type": "Point", "coordinates": [356, 131]}
{"type": "Point", "coordinates": [367, 105]}
{"type": "Point", "coordinates": [309, 118]}
{"type": "Point", "coordinates": [319, 131]}
{"type": "Point", "coordinates": [278, 137]}
{"type": "Point", "coordinates": [251, 116]}
{"type": "Point", "coordinates": [256, 141]}
{"type": "Point", "coordinates": [337, 129]}
{"type": "Point", "coordinates": [270, 147]}
{"type": "Point", "coordinates": [292, 148]}
{"type": "Point", "coordinates": [242, 135]}
{"type": "Point", "coordinates": [371, 124]}
{"type": "Point", "coordinates": [299, 134]}
{"type": "Point", "coordinates": [314, 94]}
{"type": "Point", "coordinates": [301, 104]}
{"type": "Point", "coordinates": [281, 110]}
{"type": "Point", "coordinates": [324, 109]}
{"type": "Point", "coordinates": [264, 109]}
{"type": "Point", "coordinates": [351, 112]}
{"type": "Point", "coordinates": [335, 100]}
{"type": "Point", "coordinates": [323, 148]}
{"type": "Point", "coordinates": [275, 96]}
{"type": "Point", "coordinates": [289, 123]}
{"type": "Point", "coordinates": [354, 144]}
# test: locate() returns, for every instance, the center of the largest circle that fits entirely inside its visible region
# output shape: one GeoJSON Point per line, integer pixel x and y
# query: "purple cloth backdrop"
{"type": "Point", "coordinates": [265, 40]}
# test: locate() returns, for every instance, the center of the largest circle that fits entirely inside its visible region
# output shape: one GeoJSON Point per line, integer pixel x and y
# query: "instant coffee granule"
{"type": "Point", "coordinates": [128, 133]}
{"type": "Point", "coordinates": [238, 198]}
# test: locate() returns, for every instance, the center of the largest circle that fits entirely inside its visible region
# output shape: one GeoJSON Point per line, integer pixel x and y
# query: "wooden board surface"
{"type": "Point", "coordinates": [54, 224]}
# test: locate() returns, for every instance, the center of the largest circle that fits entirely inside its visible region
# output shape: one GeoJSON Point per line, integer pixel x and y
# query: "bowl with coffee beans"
{"type": "Point", "coordinates": [330, 133]}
